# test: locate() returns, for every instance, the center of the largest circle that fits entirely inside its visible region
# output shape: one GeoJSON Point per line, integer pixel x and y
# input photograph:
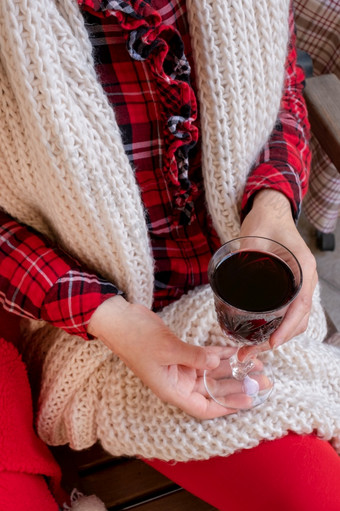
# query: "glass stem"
{"type": "Point", "coordinates": [241, 369]}
{"type": "Point", "coordinates": [244, 360]}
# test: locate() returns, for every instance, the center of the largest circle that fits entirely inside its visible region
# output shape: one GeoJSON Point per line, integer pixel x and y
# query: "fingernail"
{"type": "Point", "coordinates": [250, 386]}
{"type": "Point", "coordinates": [212, 360]}
{"type": "Point", "coordinates": [278, 343]}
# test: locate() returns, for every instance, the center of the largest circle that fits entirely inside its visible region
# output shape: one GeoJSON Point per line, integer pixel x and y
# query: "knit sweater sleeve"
{"type": "Point", "coordinates": [39, 281]}
{"type": "Point", "coordinates": [284, 162]}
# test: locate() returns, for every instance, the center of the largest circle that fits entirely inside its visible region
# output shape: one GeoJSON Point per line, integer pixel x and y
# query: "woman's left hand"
{"type": "Point", "coordinates": [271, 217]}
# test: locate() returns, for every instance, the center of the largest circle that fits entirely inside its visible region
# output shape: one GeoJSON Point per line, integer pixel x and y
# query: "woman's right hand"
{"type": "Point", "coordinates": [172, 369]}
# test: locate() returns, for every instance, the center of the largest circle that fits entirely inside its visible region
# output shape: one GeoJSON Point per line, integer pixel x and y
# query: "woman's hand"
{"type": "Point", "coordinates": [271, 217]}
{"type": "Point", "coordinates": [172, 369]}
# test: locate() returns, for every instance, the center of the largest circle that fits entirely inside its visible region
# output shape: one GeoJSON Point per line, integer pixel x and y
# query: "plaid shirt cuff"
{"type": "Point", "coordinates": [71, 301]}
{"type": "Point", "coordinates": [38, 281]}
{"type": "Point", "coordinates": [273, 178]}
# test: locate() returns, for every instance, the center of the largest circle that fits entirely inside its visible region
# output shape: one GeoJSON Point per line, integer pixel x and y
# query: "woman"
{"type": "Point", "coordinates": [140, 185]}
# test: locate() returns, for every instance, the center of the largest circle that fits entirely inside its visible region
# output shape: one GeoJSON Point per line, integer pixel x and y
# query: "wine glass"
{"type": "Point", "coordinates": [254, 280]}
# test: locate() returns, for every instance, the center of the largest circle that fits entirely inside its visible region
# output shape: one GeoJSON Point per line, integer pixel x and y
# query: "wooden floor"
{"type": "Point", "coordinates": [123, 483]}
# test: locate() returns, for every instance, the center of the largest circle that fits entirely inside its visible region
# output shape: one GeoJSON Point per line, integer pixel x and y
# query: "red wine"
{"type": "Point", "coordinates": [254, 282]}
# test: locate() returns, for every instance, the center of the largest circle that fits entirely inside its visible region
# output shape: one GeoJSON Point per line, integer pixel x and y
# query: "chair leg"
{"type": "Point", "coordinates": [325, 240]}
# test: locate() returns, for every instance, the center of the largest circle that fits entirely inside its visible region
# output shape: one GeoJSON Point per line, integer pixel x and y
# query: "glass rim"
{"type": "Point", "coordinates": [286, 304]}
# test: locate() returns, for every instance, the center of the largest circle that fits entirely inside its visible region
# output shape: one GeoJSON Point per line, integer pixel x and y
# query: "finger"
{"type": "Point", "coordinates": [223, 370]}
{"type": "Point", "coordinates": [226, 387]}
{"type": "Point", "coordinates": [251, 351]}
{"type": "Point", "coordinates": [202, 408]}
{"type": "Point", "coordinates": [234, 402]}
{"type": "Point", "coordinates": [199, 357]}
{"type": "Point", "coordinates": [254, 391]}
{"type": "Point", "coordinates": [218, 387]}
{"type": "Point", "coordinates": [295, 320]}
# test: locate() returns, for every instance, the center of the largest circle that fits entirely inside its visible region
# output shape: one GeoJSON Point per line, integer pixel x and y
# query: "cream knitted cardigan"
{"type": "Point", "coordinates": [64, 171]}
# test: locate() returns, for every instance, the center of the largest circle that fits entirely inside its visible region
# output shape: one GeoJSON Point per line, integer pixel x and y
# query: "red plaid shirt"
{"type": "Point", "coordinates": [144, 62]}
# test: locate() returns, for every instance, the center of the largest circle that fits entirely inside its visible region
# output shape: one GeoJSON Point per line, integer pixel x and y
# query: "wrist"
{"type": "Point", "coordinates": [113, 308]}
{"type": "Point", "coordinates": [270, 216]}
{"type": "Point", "coordinates": [273, 203]}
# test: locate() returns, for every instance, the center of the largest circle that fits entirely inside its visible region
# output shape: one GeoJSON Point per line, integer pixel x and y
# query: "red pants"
{"type": "Point", "coordinates": [294, 473]}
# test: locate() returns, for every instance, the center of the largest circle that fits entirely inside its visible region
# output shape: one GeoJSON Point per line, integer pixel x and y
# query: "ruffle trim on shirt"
{"type": "Point", "coordinates": [148, 38]}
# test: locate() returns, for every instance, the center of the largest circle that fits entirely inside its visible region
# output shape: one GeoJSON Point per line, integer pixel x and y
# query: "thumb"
{"type": "Point", "coordinates": [196, 357]}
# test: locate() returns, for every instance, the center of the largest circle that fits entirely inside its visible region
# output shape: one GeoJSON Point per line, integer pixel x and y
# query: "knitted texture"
{"type": "Point", "coordinates": [112, 404]}
{"type": "Point", "coordinates": [239, 49]}
{"type": "Point", "coordinates": [64, 172]}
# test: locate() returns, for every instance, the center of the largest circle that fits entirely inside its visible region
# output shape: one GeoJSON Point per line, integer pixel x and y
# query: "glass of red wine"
{"type": "Point", "coordinates": [254, 280]}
